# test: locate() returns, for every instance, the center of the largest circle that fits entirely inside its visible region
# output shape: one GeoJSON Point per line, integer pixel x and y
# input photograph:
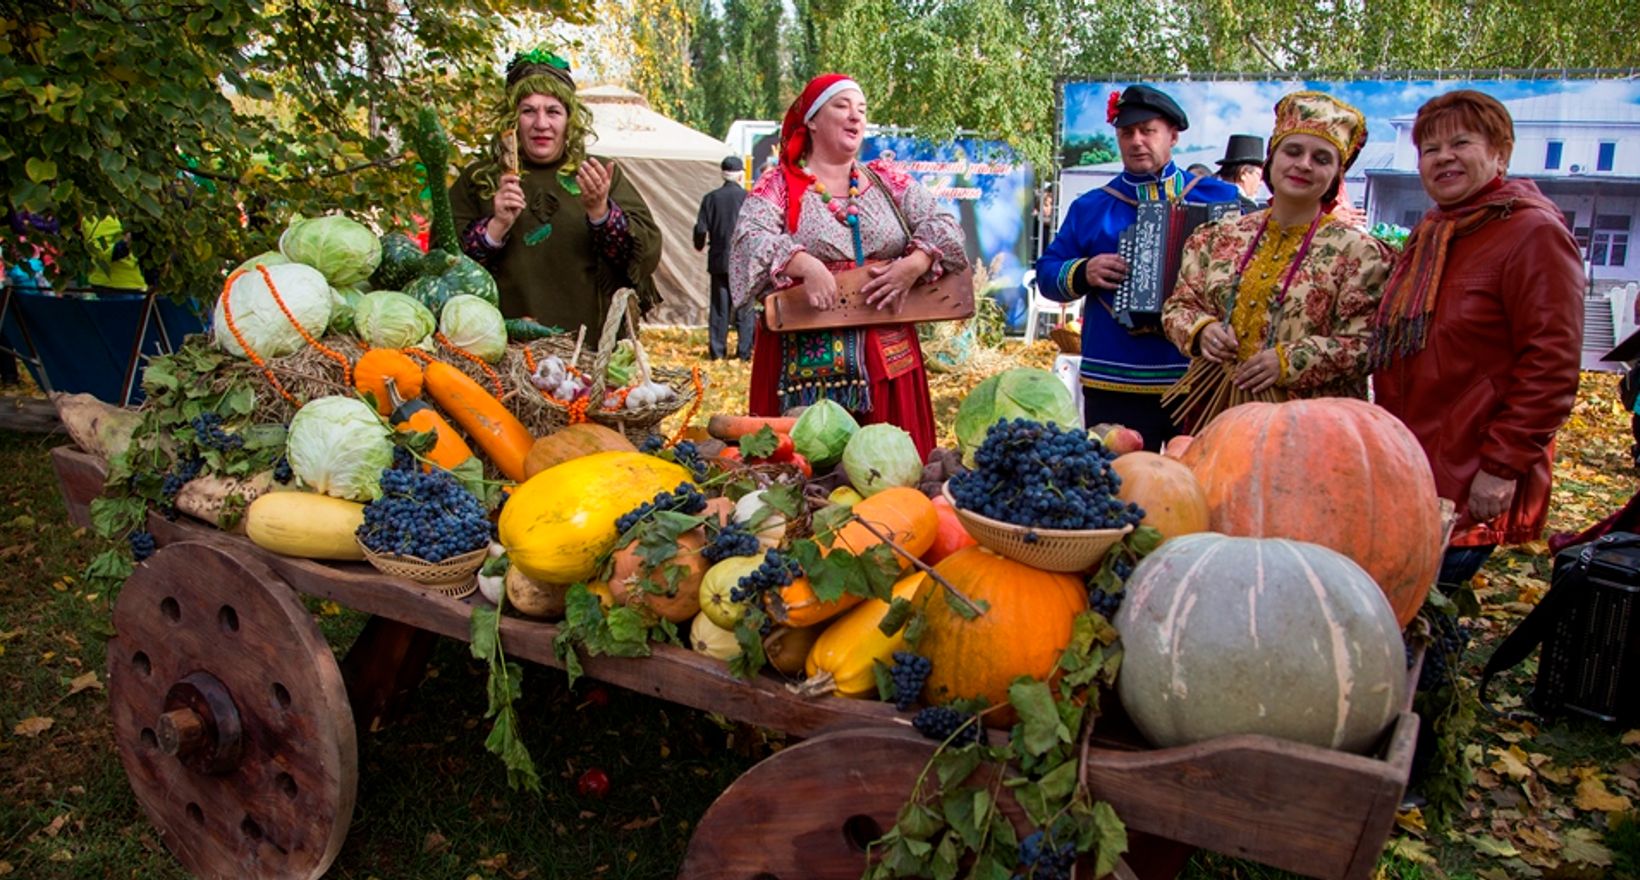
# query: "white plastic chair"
{"type": "Point", "coordinates": [1039, 305]}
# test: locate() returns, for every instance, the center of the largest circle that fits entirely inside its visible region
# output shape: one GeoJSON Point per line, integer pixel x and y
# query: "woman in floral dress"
{"type": "Point", "coordinates": [1279, 303]}
{"type": "Point", "coordinates": [822, 210]}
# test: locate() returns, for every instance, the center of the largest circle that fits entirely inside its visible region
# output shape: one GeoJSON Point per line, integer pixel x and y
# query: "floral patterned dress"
{"type": "Point", "coordinates": [1316, 315]}
{"type": "Point", "coordinates": [877, 372]}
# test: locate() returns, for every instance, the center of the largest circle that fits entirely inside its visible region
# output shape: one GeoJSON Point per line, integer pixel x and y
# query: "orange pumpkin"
{"type": "Point", "coordinates": [1175, 447]}
{"type": "Point", "coordinates": [1334, 471]}
{"type": "Point", "coordinates": [950, 536]}
{"type": "Point", "coordinates": [1172, 498]}
{"type": "Point", "coordinates": [1023, 631]}
{"type": "Point", "coordinates": [372, 370]}
{"type": "Point", "coordinates": [574, 441]}
{"type": "Point", "coordinates": [671, 589]}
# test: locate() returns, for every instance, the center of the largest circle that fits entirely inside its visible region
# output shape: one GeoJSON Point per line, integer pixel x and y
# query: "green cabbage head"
{"type": "Point", "coordinates": [339, 446]}
{"type": "Point", "coordinates": [880, 457]}
{"type": "Point", "coordinates": [822, 431]}
{"type": "Point", "coordinates": [1021, 393]}
{"type": "Point", "coordinates": [260, 321]}
{"type": "Point", "coordinates": [389, 319]}
{"type": "Point", "coordinates": [474, 325]}
{"type": "Point", "coordinates": [345, 250]}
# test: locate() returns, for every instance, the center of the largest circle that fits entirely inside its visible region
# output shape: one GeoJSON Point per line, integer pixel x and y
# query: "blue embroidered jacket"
{"type": "Point", "coordinates": [1114, 358]}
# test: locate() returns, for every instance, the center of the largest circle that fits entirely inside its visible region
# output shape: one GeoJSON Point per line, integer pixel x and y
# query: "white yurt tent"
{"type": "Point", "coordinates": [672, 165]}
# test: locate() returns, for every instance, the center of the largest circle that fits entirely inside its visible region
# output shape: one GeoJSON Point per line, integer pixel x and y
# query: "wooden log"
{"type": "Point", "coordinates": [29, 415]}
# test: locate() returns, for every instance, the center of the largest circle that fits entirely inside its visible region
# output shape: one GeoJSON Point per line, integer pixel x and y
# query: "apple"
{"type": "Point", "coordinates": [845, 495]}
{"type": "Point", "coordinates": [718, 585]}
{"type": "Point", "coordinates": [1122, 440]}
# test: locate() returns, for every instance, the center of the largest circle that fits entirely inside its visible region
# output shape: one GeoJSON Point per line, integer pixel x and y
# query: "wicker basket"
{"type": "Point", "coordinates": [455, 577]}
{"type": "Point", "coordinates": [544, 416]}
{"type": "Point", "coordinates": [1064, 550]}
{"type": "Point", "coordinates": [1068, 340]}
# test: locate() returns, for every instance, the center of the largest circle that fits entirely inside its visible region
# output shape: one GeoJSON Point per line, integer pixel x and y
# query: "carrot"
{"type": "Point", "coordinates": [724, 426]}
{"type": "Point", "coordinates": [502, 436]}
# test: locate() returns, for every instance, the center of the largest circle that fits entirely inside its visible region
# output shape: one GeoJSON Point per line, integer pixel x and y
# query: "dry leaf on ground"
{"type": "Point", "coordinates": [32, 726]}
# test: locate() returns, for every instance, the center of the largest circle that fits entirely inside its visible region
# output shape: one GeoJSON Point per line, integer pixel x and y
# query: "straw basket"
{"type": "Point", "coordinates": [544, 416]}
{"type": "Point", "coordinates": [1068, 340]}
{"type": "Point", "coordinates": [1064, 550]}
{"type": "Point", "coordinates": [454, 577]}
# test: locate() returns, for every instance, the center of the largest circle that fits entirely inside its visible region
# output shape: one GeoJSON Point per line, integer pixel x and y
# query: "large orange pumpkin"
{"type": "Point", "coordinates": [1335, 471]}
{"type": "Point", "coordinates": [573, 441]}
{"type": "Point", "coordinates": [1023, 631]}
{"type": "Point", "coordinates": [1170, 494]}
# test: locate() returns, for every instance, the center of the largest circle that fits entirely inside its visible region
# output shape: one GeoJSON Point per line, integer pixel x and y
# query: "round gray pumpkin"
{"type": "Point", "coordinates": [1226, 635]}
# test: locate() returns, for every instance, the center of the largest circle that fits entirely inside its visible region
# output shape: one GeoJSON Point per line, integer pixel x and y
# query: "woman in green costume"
{"type": "Point", "coordinates": [560, 230]}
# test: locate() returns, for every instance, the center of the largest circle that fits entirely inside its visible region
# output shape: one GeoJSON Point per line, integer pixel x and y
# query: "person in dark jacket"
{"type": "Point", "coordinates": [716, 222]}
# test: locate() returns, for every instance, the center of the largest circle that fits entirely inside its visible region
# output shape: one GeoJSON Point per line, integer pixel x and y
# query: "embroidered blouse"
{"type": "Point", "coordinates": [1320, 329]}
{"type": "Point", "coordinates": [761, 247]}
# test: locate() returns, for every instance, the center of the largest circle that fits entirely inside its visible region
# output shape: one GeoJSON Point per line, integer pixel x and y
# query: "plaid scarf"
{"type": "Point", "coordinates": [1408, 306]}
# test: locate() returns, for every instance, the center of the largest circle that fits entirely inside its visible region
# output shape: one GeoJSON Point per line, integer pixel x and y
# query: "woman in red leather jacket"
{"type": "Point", "coordinates": [1480, 329]}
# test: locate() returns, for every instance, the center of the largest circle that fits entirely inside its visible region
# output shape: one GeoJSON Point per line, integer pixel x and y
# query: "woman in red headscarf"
{"type": "Point", "coordinates": [822, 210]}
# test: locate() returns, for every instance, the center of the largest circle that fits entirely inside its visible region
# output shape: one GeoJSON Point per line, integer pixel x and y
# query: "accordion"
{"type": "Point", "coordinates": [1152, 247]}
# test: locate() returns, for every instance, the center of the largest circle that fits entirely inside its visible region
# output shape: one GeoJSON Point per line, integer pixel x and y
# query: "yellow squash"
{"type": "Point", "coordinates": [305, 524]}
{"type": "Point", "coordinates": [850, 647]}
{"type": "Point", "coordinates": [560, 521]}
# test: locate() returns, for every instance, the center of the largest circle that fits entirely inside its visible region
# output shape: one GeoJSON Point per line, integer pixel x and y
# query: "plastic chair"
{"type": "Point", "coordinates": [1040, 305]}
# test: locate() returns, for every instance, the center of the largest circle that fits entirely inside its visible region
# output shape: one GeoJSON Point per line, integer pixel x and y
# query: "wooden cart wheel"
{"type": "Point", "coordinates": [230, 716]}
{"type": "Point", "coordinates": [810, 810]}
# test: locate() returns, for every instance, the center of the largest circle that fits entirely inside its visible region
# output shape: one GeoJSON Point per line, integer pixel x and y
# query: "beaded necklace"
{"type": "Point", "coordinates": [1287, 279]}
{"type": "Point", "coordinates": [849, 213]}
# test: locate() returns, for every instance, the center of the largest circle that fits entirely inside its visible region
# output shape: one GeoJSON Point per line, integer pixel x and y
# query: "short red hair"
{"type": "Point", "coordinates": [1467, 109]}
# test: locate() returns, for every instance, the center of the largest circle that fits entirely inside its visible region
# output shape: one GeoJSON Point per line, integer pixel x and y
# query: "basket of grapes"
{"type": "Point", "coordinates": [1043, 496]}
{"type": "Point", "coordinates": [426, 528]}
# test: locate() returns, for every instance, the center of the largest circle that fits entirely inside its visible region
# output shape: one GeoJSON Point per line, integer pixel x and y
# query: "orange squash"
{"type": "Point", "coordinates": [1334, 471]}
{"type": "Point", "coordinates": [1172, 498]}
{"type": "Point", "coordinates": [950, 536]}
{"type": "Point", "coordinates": [900, 512]}
{"type": "Point", "coordinates": [671, 589]}
{"type": "Point", "coordinates": [573, 441]}
{"type": "Point", "coordinates": [498, 432]}
{"type": "Point", "coordinates": [1024, 629]}
{"type": "Point", "coordinates": [373, 369]}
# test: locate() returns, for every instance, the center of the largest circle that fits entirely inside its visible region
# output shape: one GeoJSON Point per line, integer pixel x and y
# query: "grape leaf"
{"type": "Point", "coordinates": [1043, 728]}
{"type": "Point", "coordinates": [899, 611]}
{"type": "Point", "coordinates": [759, 444]}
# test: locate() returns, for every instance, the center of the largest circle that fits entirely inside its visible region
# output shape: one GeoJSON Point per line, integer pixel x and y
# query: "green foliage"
{"type": "Point", "coordinates": [502, 689]}
{"type": "Point", "coordinates": [175, 116]}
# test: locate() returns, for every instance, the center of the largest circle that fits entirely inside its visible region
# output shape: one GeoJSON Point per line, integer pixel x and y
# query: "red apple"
{"type": "Point", "coordinates": [594, 783]}
{"type": "Point", "coordinates": [1122, 440]}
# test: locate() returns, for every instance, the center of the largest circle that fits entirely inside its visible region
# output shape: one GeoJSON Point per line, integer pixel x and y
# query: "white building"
{"type": "Point", "coordinates": [1584, 155]}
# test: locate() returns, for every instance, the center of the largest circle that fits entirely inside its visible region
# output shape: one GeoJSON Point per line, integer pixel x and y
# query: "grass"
{"type": "Point", "coordinates": [433, 804]}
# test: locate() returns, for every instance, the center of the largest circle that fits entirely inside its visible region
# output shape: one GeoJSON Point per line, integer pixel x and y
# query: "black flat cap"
{"type": "Point", "coordinates": [731, 163]}
{"type": "Point", "coordinates": [1140, 103]}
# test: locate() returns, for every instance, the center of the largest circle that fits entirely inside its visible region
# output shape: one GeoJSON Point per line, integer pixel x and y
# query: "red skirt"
{"type": "Point", "coordinates": [901, 401]}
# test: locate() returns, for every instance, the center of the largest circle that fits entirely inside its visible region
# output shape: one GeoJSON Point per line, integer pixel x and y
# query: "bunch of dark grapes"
{"type": "Point", "coordinates": [1039, 859]}
{"type": "Point", "coordinates": [685, 454]}
{"type": "Point", "coordinates": [731, 540]}
{"type": "Point", "coordinates": [1448, 639]}
{"type": "Point", "coordinates": [684, 499]}
{"type": "Point", "coordinates": [142, 545]}
{"type": "Point", "coordinates": [1040, 476]}
{"type": "Point", "coordinates": [403, 459]}
{"type": "Point", "coordinates": [282, 474]}
{"type": "Point", "coordinates": [209, 434]}
{"type": "Point", "coordinates": [777, 570]}
{"type": "Point", "coordinates": [175, 480]}
{"type": "Point", "coordinates": [425, 515]}
{"type": "Point", "coordinates": [939, 722]}
{"type": "Point", "coordinates": [909, 673]}
{"type": "Point", "coordinates": [1106, 603]}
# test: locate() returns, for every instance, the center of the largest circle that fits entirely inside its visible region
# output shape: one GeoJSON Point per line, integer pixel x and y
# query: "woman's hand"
{"type": "Point", "coordinates": [1218, 343]}
{"type": "Point", "coordinates": [819, 284]}
{"type": "Point", "coordinates": [1489, 496]}
{"type": "Point", "coordinates": [505, 207]}
{"type": "Point", "coordinates": [1259, 372]}
{"type": "Point", "coordinates": [594, 178]}
{"type": "Point", "coordinates": [891, 282]}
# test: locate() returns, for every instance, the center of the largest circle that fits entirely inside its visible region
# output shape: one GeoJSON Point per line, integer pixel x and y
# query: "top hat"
{"type": "Point", "coordinates": [1243, 149]}
{"type": "Point", "coordinates": [1139, 103]}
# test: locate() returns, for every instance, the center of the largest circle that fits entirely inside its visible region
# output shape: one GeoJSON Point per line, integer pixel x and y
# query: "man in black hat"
{"type": "Point", "coordinates": [1243, 168]}
{"type": "Point", "coordinates": [1124, 372]}
{"type": "Point", "coordinates": [716, 221]}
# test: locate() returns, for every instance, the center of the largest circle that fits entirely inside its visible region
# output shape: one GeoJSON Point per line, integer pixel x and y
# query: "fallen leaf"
{"type": "Point", "coordinates": [1593, 795]}
{"type": "Point", "coordinates": [6, 868]}
{"type": "Point", "coordinates": [84, 682]}
{"type": "Point", "coordinates": [1413, 850]}
{"type": "Point", "coordinates": [1583, 846]}
{"type": "Point", "coordinates": [1630, 738]}
{"type": "Point", "coordinates": [32, 726]}
{"type": "Point", "coordinates": [22, 522]}
{"type": "Point", "coordinates": [329, 608]}
{"type": "Point", "coordinates": [493, 863]}
{"type": "Point", "coordinates": [1411, 820]}
{"type": "Point", "coordinates": [1491, 846]}
{"type": "Point", "coordinates": [1537, 838]}
{"type": "Point", "coordinates": [9, 635]}
{"type": "Point", "coordinates": [61, 855]}
{"type": "Point", "coordinates": [636, 824]}
{"type": "Point", "coordinates": [1555, 774]}
{"type": "Point", "coordinates": [56, 826]}
{"type": "Point", "coordinates": [434, 842]}
{"type": "Point", "coordinates": [1511, 762]}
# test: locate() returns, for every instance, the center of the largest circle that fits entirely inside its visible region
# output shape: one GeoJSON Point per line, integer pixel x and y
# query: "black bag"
{"type": "Point", "coordinates": [1589, 625]}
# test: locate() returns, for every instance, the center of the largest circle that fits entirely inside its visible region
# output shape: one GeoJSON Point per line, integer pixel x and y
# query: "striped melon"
{"type": "Point", "coordinates": [1226, 635]}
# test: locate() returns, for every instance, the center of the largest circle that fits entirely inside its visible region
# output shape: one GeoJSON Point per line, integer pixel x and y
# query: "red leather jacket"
{"type": "Point", "coordinates": [1498, 372]}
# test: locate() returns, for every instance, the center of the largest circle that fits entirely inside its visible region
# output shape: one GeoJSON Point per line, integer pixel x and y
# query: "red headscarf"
{"type": "Point", "coordinates": [794, 138]}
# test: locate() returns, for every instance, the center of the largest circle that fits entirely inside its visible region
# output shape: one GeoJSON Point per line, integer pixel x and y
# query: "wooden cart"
{"type": "Point", "coordinates": [237, 727]}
